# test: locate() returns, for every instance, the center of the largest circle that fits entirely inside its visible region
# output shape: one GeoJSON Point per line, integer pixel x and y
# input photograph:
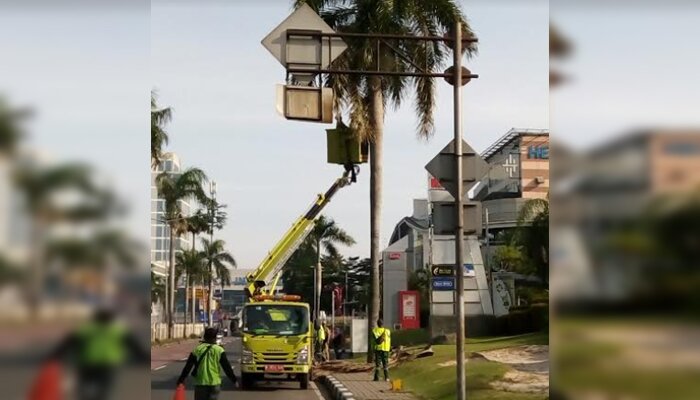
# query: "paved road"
{"type": "Point", "coordinates": [18, 369]}
{"type": "Point", "coordinates": [164, 377]}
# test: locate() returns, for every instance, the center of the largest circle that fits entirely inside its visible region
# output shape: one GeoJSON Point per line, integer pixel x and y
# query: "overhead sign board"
{"type": "Point", "coordinates": [443, 270]}
{"type": "Point", "coordinates": [444, 218]}
{"type": "Point", "coordinates": [444, 283]}
{"type": "Point", "coordinates": [303, 50]}
{"type": "Point", "coordinates": [443, 168]}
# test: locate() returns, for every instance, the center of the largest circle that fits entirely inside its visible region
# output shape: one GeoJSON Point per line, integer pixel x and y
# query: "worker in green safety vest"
{"type": "Point", "coordinates": [382, 347]}
{"type": "Point", "coordinates": [206, 361]}
{"type": "Point", "coordinates": [320, 341]}
{"type": "Point", "coordinates": [99, 348]}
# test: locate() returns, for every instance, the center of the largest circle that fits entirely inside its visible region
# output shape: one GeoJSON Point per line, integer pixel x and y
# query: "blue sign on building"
{"type": "Point", "coordinates": [444, 283]}
{"type": "Point", "coordinates": [539, 152]}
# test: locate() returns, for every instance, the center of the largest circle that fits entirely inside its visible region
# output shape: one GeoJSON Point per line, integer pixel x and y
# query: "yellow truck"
{"type": "Point", "coordinates": [277, 334]}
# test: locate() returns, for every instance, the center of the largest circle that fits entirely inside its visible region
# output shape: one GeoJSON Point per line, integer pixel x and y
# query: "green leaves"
{"type": "Point", "coordinates": [403, 17]}
{"type": "Point", "coordinates": [159, 137]}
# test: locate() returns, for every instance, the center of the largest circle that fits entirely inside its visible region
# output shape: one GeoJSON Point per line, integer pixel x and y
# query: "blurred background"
{"type": "Point", "coordinates": [625, 200]}
{"type": "Point", "coordinates": [74, 208]}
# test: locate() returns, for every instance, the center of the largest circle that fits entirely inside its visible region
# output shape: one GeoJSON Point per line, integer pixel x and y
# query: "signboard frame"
{"type": "Point", "coordinates": [409, 321]}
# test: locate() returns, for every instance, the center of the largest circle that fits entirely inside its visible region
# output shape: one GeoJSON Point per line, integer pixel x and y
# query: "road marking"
{"type": "Point", "coordinates": [159, 368]}
{"type": "Point", "coordinates": [184, 359]}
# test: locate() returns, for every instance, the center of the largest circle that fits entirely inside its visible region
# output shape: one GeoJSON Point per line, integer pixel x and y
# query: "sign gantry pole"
{"type": "Point", "coordinates": [459, 200]}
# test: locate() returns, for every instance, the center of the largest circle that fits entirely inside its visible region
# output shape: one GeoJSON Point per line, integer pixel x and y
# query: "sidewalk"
{"type": "Point", "coordinates": [363, 388]}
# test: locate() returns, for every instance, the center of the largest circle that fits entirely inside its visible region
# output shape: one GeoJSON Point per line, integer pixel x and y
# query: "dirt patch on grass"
{"type": "Point", "coordinates": [531, 354]}
{"type": "Point", "coordinates": [523, 382]}
{"type": "Point", "coordinates": [530, 368]}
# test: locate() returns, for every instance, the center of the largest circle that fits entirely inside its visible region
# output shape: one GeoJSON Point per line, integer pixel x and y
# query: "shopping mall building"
{"type": "Point", "coordinates": [519, 170]}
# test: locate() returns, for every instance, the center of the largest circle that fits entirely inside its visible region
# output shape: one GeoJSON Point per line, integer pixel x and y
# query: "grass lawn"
{"type": "Point", "coordinates": [430, 380]}
{"type": "Point", "coordinates": [617, 365]}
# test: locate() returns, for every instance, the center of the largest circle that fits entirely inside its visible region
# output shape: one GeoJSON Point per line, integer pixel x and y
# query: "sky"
{"type": "Point", "coordinates": [631, 67]}
{"type": "Point", "coordinates": [207, 63]}
{"type": "Point", "coordinates": [83, 70]}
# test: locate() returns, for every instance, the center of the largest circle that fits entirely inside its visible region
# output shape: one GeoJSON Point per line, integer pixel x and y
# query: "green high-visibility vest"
{"type": "Point", "coordinates": [102, 345]}
{"type": "Point", "coordinates": [386, 344]}
{"type": "Point", "coordinates": [209, 370]}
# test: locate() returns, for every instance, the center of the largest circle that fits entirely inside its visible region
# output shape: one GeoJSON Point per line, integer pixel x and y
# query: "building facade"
{"type": "Point", "coordinates": [519, 171]}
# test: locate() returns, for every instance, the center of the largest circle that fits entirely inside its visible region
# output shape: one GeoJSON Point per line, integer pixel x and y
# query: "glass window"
{"type": "Point", "coordinates": [269, 319]}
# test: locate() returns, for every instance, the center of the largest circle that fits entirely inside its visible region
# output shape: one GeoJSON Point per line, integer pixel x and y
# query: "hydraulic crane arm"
{"type": "Point", "coordinates": [272, 265]}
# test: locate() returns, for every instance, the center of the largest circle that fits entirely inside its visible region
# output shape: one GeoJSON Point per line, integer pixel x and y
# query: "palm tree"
{"type": "Point", "coordinates": [326, 234]}
{"type": "Point", "coordinates": [196, 224]}
{"type": "Point", "coordinates": [102, 252]}
{"type": "Point", "coordinates": [11, 131]}
{"type": "Point", "coordinates": [40, 187]}
{"type": "Point", "coordinates": [533, 235]}
{"type": "Point", "coordinates": [174, 188]}
{"type": "Point", "coordinates": [159, 137]}
{"type": "Point", "coordinates": [157, 289]}
{"type": "Point", "coordinates": [219, 259]}
{"type": "Point", "coordinates": [190, 263]}
{"type": "Point", "coordinates": [366, 97]}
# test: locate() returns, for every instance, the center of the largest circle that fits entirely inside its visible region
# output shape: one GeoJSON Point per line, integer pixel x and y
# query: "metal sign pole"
{"type": "Point", "coordinates": [459, 235]}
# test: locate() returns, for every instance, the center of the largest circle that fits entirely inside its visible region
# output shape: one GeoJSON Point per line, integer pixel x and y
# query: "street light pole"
{"type": "Point", "coordinates": [459, 235]}
{"type": "Point", "coordinates": [212, 193]}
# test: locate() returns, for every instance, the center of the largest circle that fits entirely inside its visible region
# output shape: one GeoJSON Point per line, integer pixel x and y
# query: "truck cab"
{"type": "Point", "coordinates": [276, 341]}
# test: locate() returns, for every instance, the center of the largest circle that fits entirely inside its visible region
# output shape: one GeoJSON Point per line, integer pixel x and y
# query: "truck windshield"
{"type": "Point", "coordinates": [271, 319]}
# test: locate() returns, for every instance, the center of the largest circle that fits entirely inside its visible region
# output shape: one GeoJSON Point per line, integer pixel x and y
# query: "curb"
{"type": "Point", "coordinates": [337, 389]}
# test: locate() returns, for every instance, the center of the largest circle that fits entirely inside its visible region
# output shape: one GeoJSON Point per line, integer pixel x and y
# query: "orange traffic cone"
{"type": "Point", "coordinates": [48, 383]}
{"type": "Point", "coordinates": [179, 392]}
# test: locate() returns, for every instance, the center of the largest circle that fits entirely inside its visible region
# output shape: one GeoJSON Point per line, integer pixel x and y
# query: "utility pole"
{"type": "Point", "coordinates": [459, 200]}
{"type": "Point", "coordinates": [210, 300]}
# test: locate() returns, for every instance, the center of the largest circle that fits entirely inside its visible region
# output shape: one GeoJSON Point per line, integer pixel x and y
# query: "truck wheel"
{"type": "Point", "coordinates": [304, 381]}
{"type": "Point", "coordinates": [246, 381]}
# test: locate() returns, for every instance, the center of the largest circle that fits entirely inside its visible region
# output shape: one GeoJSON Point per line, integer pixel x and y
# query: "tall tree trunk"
{"type": "Point", "coordinates": [375, 202]}
{"type": "Point", "coordinates": [171, 289]}
{"type": "Point", "coordinates": [210, 296]}
{"type": "Point", "coordinates": [194, 303]}
{"type": "Point", "coordinates": [190, 282]}
{"type": "Point", "coordinates": [187, 309]}
{"type": "Point", "coordinates": [36, 260]}
{"type": "Point", "coordinates": [318, 281]}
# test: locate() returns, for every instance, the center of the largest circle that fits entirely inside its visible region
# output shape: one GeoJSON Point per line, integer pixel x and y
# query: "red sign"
{"type": "Point", "coordinates": [409, 310]}
{"type": "Point", "coordinates": [435, 183]}
{"type": "Point", "coordinates": [394, 256]}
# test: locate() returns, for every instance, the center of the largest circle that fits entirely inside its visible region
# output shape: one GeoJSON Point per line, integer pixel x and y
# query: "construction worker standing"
{"type": "Point", "coordinates": [100, 348]}
{"type": "Point", "coordinates": [321, 340]}
{"type": "Point", "coordinates": [204, 362]}
{"type": "Point", "coordinates": [382, 347]}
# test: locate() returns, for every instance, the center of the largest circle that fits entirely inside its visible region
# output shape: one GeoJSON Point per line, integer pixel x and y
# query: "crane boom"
{"type": "Point", "coordinates": [272, 265]}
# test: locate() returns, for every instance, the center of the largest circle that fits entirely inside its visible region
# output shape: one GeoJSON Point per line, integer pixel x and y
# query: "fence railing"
{"type": "Point", "coordinates": [160, 331]}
